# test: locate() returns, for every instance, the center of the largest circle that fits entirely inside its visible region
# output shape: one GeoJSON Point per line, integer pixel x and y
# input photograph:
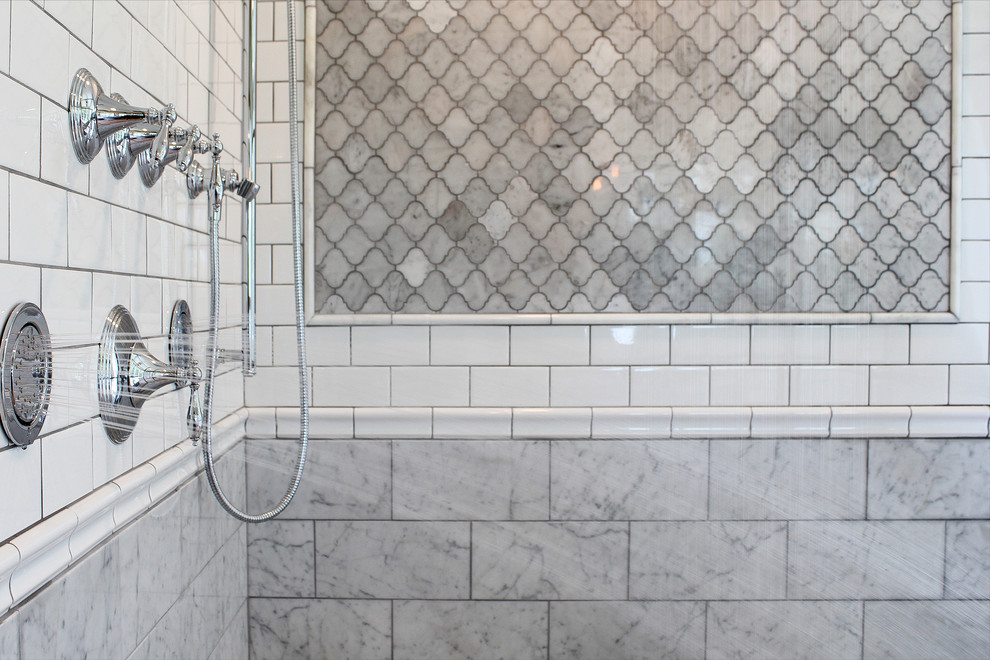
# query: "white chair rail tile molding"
{"type": "Point", "coordinates": [592, 329]}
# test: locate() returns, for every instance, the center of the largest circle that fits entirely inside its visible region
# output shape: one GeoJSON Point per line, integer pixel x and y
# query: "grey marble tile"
{"type": "Point", "coordinates": [342, 478]}
{"type": "Point", "coordinates": [628, 630]}
{"type": "Point", "coordinates": [707, 560]}
{"type": "Point", "coordinates": [863, 560]}
{"type": "Point", "coordinates": [9, 642]}
{"type": "Point", "coordinates": [57, 623]}
{"type": "Point", "coordinates": [803, 630]}
{"type": "Point", "coordinates": [946, 629]}
{"type": "Point", "coordinates": [392, 559]}
{"type": "Point", "coordinates": [929, 479]}
{"type": "Point", "coordinates": [314, 628]}
{"type": "Point", "coordinates": [471, 480]}
{"type": "Point", "coordinates": [441, 630]}
{"type": "Point", "coordinates": [530, 560]}
{"type": "Point", "coordinates": [967, 559]}
{"type": "Point", "coordinates": [281, 558]}
{"type": "Point", "coordinates": [788, 479]}
{"type": "Point", "coordinates": [233, 645]}
{"type": "Point", "coordinates": [629, 480]}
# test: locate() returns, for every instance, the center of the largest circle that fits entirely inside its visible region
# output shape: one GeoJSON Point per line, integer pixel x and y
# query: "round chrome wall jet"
{"type": "Point", "coordinates": [128, 374]}
{"type": "Point", "coordinates": [26, 375]}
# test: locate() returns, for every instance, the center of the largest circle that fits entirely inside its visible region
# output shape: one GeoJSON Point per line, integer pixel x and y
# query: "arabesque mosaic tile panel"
{"type": "Point", "coordinates": [600, 155]}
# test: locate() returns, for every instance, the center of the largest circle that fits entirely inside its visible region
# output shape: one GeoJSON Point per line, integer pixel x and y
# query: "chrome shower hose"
{"type": "Point", "coordinates": [297, 263]}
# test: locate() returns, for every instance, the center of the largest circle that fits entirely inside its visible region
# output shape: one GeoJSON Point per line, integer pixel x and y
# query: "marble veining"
{"type": "Point", "coordinates": [392, 559]}
{"type": "Point", "coordinates": [301, 629]}
{"type": "Point", "coordinates": [621, 157]}
{"type": "Point", "coordinates": [426, 630]}
{"type": "Point", "coordinates": [944, 629]}
{"type": "Point", "coordinates": [628, 630]}
{"type": "Point", "coordinates": [530, 560]}
{"type": "Point", "coordinates": [629, 480]}
{"type": "Point", "coordinates": [281, 559]}
{"type": "Point", "coordinates": [967, 559]}
{"type": "Point", "coordinates": [707, 560]}
{"type": "Point", "coordinates": [9, 643]}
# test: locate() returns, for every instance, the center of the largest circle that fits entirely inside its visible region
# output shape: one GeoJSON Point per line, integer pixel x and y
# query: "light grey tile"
{"type": "Point", "coordinates": [233, 645]}
{"type": "Point", "coordinates": [841, 559]}
{"type": "Point", "coordinates": [342, 479]}
{"type": "Point", "coordinates": [929, 479]}
{"type": "Point", "coordinates": [707, 560]}
{"type": "Point", "coordinates": [530, 560]}
{"type": "Point", "coordinates": [471, 480]}
{"type": "Point", "coordinates": [392, 559]}
{"type": "Point", "coordinates": [308, 628]}
{"type": "Point", "coordinates": [803, 630]}
{"type": "Point", "coordinates": [629, 480]}
{"type": "Point", "coordinates": [787, 479]}
{"type": "Point", "coordinates": [438, 630]}
{"type": "Point", "coordinates": [946, 629]}
{"type": "Point", "coordinates": [628, 630]}
{"type": "Point", "coordinates": [281, 558]}
{"type": "Point", "coordinates": [9, 642]}
{"type": "Point", "coordinates": [967, 559]}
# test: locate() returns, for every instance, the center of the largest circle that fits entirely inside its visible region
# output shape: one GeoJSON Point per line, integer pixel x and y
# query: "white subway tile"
{"type": "Point", "coordinates": [469, 345]}
{"type": "Point", "coordinates": [4, 64]}
{"type": "Point", "coordinates": [710, 422]}
{"type": "Point", "coordinates": [393, 423]}
{"type": "Point", "coordinates": [67, 467]}
{"type": "Point", "coordinates": [969, 384]}
{"type": "Point", "coordinates": [89, 233]}
{"type": "Point", "coordinates": [4, 213]}
{"type": "Point", "coordinates": [76, 15]}
{"type": "Point", "coordinates": [58, 159]}
{"type": "Point", "coordinates": [975, 137]}
{"type": "Point", "coordinates": [20, 474]}
{"type": "Point", "coordinates": [67, 299]}
{"type": "Point", "coordinates": [870, 422]}
{"type": "Point", "coordinates": [973, 217]}
{"type": "Point", "coordinates": [668, 386]}
{"type": "Point", "coordinates": [260, 422]}
{"type": "Point", "coordinates": [323, 423]}
{"type": "Point", "coordinates": [273, 386]}
{"type": "Point", "coordinates": [789, 344]}
{"type": "Point", "coordinates": [272, 61]}
{"type": "Point", "coordinates": [790, 422]}
{"type": "Point", "coordinates": [148, 438]}
{"type": "Point", "coordinates": [21, 109]}
{"type": "Point", "coordinates": [949, 343]}
{"type": "Point", "coordinates": [589, 386]}
{"type": "Point", "coordinates": [430, 386]}
{"type": "Point", "coordinates": [510, 386]}
{"type": "Point", "coordinates": [39, 51]}
{"type": "Point", "coordinates": [630, 344]}
{"type": "Point", "coordinates": [351, 386]}
{"type": "Point", "coordinates": [976, 16]}
{"type": "Point", "coordinates": [749, 386]}
{"type": "Point", "coordinates": [470, 423]}
{"type": "Point", "coordinates": [949, 422]}
{"type": "Point", "coordinates": [869, 344]}
{"type": "Point", "coordinates": [830, 385]}
{"type": "Point", "coordinates": [975, 260]}
{"type": "Point", "coordinates": [630, 422]}
{"type": "Point", "coordinates": [909, 385]}
{"type": "Point", "coordinates": [273, 141]}
{"type": "Point", "coordinates": [974, 302]}
{"type": "Point", "coordinates": [714, 344]}
{"type": "Point", "coordinates": [108, 291]}
{"type": "Point", "coordinates": [551, 423]}
{"type": "Point", "coordinates": [976, 95]}
{"type": "Point", "coordinates": [38, 222]}
{"type": "Point", "coordinates": [130, 247]}
{"type": "Point", "coordinates": [146, 305]}
{"type": "Point", "coordinates": [388, 345]}
{"type": "Point", "coordinates": [975, 174]}
{"type": "Point", "coordinates": [974, 53]}
{"type": "Point", "coordinates": [325, 345]}
{"type": "Point", "coordinates": [539, 345]}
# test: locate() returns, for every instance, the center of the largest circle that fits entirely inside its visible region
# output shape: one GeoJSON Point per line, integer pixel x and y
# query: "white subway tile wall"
{"type": "Point", "coordinates": [77, 241]}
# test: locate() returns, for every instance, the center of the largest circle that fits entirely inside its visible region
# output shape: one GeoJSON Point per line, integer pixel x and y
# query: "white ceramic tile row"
{"type": "Point", "coordinates": [33, 557]}
{"type": "Point", "coordinates": [626, 422]}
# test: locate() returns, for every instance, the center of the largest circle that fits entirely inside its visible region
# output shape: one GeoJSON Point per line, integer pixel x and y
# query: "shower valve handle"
{"type": "Point", "coordinates": [194, 416]}
{"type": "Point", "coordinates": [159, 148]}
{"type": "Point", "coordinates": [188, 149]}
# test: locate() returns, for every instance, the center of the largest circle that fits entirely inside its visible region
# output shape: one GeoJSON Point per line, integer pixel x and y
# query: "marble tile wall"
{"type": "Point", "coordinates": [647, 156]}
{"type": "Point", "coordinates": [173, 584]}
{"type": "Point", "coordinates": [622, 548]}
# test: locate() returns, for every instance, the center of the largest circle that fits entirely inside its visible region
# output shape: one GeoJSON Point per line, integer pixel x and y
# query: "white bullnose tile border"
{"type": "Point", "coordinates": [36, 555]}
{"type": "Point", "coordinates": [467, 423]}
